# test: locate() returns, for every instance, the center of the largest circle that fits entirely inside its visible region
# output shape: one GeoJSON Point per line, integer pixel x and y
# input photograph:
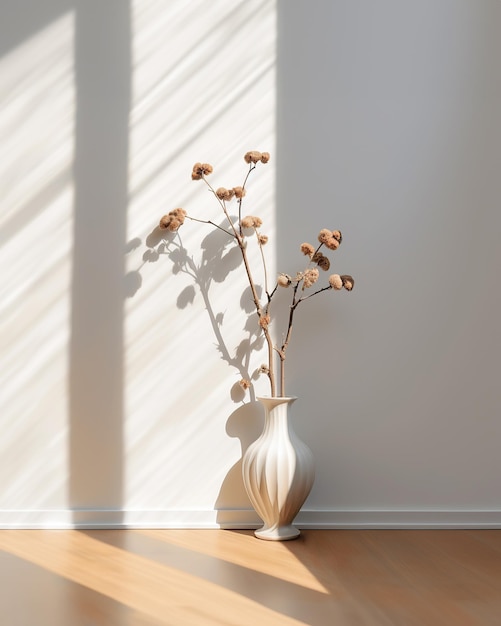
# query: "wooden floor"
{"type": "Point", "coordinates": [222, 577]}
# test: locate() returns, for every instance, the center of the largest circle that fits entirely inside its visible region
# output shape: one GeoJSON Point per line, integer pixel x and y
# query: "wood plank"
{"type": "Point", "coordinates": [216, 577]}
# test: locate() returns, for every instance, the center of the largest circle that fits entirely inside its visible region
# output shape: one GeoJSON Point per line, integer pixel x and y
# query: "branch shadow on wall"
{"type": "Point", "coordinates": [103, 70]}
{"type": "Point", "coordinates": [220, 257]}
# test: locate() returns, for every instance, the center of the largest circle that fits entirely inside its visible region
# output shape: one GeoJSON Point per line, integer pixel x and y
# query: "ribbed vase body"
{"type": "Point", "coordinates": [278, 472]}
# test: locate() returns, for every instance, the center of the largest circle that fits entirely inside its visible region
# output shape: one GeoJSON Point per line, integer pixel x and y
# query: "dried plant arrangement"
{"type": "Point", "coordinates": [303, 284]}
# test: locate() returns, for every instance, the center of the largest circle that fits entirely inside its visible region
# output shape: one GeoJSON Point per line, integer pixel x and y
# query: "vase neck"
{"type": "Point", "coordinates": [277, 425]}
{"type": "Point", "coordinates": [269, 403]}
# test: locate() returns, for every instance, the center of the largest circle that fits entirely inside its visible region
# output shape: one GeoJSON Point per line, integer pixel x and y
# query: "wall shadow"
{"type": "Point", "coordinates": [103, 77]}
{"type": "Point", "coordinates": [102, 83]}
{"type": "Point", "coordinates": [246, 424]}
{"type": "Point", "coordinates": [220, 257]}
{"type": "Point", "coordinates": [21, 19]}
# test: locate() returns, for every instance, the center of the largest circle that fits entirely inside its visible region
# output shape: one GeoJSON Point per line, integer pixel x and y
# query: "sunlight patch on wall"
{"type": "Point", "coordinates": [36, 134]}
{"type": "Point", "coordinates": [203, 90]}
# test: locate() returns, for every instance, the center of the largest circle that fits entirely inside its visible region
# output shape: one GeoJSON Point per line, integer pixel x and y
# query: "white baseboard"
{"type": "Point", "coordinates": [399, 519]}
{"type": "Point", "coordinates": [246, 518]}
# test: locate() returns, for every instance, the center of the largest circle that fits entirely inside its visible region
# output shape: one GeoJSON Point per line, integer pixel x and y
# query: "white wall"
{"type": "Point", "coordinates": [389, 129]}
{"type": "Point", "coordinates": [114, 396]}
{"type": "Point", "coordinates": [116, 405]}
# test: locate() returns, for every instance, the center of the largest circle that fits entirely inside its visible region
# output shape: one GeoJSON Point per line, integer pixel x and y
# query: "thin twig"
{"type": "Point", "coordinates": [237, 234]}
{"type": "Point", "coordinates": [270, 295]}
{"type": "Point", "coordinates": [259, 312]}
{"type": "Point", "coordinates": [194, 219]}
{"type": "Point", "coordinates": [283, 349]}
{"type": "Point", "coordinates": [223, 206]}
{"type": "Point", "coordinates": [252, 167]}
{"type": "Point", "coordinates": [313, 294]}
{"type": "Point", "coordinates": [265, 270]}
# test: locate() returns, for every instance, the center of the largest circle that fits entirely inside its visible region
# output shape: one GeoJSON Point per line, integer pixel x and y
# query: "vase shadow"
{"type": "Point", "coordinates": [246, 424]}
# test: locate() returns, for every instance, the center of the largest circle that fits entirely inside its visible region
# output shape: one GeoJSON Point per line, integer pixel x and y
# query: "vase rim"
{"type": "Point", "coordinates": [276, 397]}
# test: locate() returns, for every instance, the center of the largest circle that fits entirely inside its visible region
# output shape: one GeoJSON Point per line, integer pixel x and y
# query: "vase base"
{"type": "Point", "coordinates": [277, 533]}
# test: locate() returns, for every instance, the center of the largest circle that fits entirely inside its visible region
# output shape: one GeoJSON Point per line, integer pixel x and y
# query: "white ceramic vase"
{"type": "Point", "coordinates": [278, 472]}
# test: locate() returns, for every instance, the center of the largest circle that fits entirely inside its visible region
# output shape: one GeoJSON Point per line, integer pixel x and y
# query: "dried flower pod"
{"type": "Point", "coordinates": [307, 249]}
{"type": "Point", "coordinates": [348, 282]}
{"type": "Point", "coordinates": [239, 192]}
{"type": "Point", "coordinates": [324, 235]}
{"type": "Point", "coordinates": [164, 222]}
{"type": "Point", "coordinates": [174, 225]}
{"type": "Point", "coordinates": [265, 157]}
{"type": "Point", "coordinates": [264, 321]}
{"type": "Point", "coordinates": [196, 174]}
{"type": "Point", "coordinates": [173, 220]}
{"type": "Point", "coordinates": [251, 221]}
{"type": "Point", "coordinates": [244, 383]}
{"type": "Point", "coordinates": [247, 222]}
{"type": "Point", "coordinates": [225, 194]}
{"type": "Point", "coordinates": [179, 214]}
{"type": "Point", "coordinates": [310, 277]}
{"type": "Point", "coordinates": [331, 243]}
{"type": "Point", "coordinates": [337, 235]}
{"type": "Point", "coordinates": [321, 260]}
{"type": "Point", "coordinates": [200, 170]}
{"type": "Point", "coordinates": [323, 263]}
{"type": "Point", "coordinates": [264, 369]}
{"type": "Point", "coordinates": [253, 156]}
{"type": "Point", "coordinates": [284, 280]}
{"type": "Point", "coordinates": [263, 239]}
{"type": "Point", "coordinates": [336, 282]}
